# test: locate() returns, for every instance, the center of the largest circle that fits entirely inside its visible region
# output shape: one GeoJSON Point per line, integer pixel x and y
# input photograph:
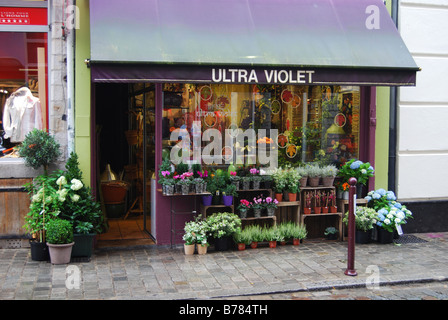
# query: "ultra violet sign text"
{"type": "Point", "coordinates": [235, 75]}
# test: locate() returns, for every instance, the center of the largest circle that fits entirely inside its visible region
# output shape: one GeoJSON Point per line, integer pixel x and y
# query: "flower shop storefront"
{"type": "Point", "coordinates": [250, 86]}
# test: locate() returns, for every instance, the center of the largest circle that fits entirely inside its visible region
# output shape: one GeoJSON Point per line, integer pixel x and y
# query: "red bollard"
{"type": "Point", "coordinates": [350, 271]}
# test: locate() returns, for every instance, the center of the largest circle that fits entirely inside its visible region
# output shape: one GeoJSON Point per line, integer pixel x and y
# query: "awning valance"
{"type": "Point", "coordinates": [245, 41]}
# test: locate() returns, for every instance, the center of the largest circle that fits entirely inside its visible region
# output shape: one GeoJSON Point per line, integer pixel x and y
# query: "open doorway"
{"type": "Point", "coordinates": [125, 160]}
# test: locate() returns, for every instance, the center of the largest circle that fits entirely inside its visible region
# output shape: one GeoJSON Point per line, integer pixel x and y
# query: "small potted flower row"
{"type": "Point", "coordinates": [320, 201]}
{"type": "Point", "coordinates": [258, 206]}
{"type": "Point", "coordinates": [254, 235]}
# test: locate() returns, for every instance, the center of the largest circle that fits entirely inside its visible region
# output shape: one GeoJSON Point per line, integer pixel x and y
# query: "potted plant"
{"type": "Point", "coordinates": [185, 182]}
{"type": "Point", "coordinates": [267, 181]}
{"type": "Point", "coordinates": [198, 183]}
{"type": "Point", "coordinates": [255, 178]}
{"type": "Point", "coordinates": [359, 170]}
{"type": "Point", "coordinates": [79, 207]}
{"type": "Point", "coordinates": [242, 239]}
{"type": "Point", "coordinates": [271, 205]}
{"type": "Point", "coordinates": [228, 194]}
{"type": "Point", "coordinates": [201, 237]}
{"type": "Point", "coordinates": [221, 226]}
{"type": "Point", "coordinates": [329, 173]}
{"type": "Point", "coordinates": [292, 183]}
{"type": "Point", "coordinates": [39, 149]}
{"type": "Point", "coordinates": [189, 237]}
{"type": "Point", "coordinates": [243, 208]}
{"type": "Point", "coordinates": [235, 179]}
{"type": "Point", "coordinates": [245, 182]}
{"type": "Point", "coordinates": [280, 182]}
{"type": "Point", "coordinates": [166, 177]}
{"type": "Point", "coordinates": [314, 174]}
{"type": "Point", "coordinates": [390, 213]}
{"type": "Point", "coordinates": [364, 221]}
{"type": "Point", "coordinates": [308, 200]}
{"type": "Point", "coordinates": [59, 240]}
{"type": "Point", "coordinates": [317, 201]}
{"type": "Point", "coordinates": [255, 235]}
{"type": "Point", "coordinates": [258, 205]}
{"type": "Point", "coordinates": [331, 233]}
{"type": "Point", "coordinates": [324, 201]}
{"type": "Point", "coordinates": [298, 233]}
{"type": "Point", "coordinates": [303, 172]}
{"type": "Point", "coordinates": [332, 202]}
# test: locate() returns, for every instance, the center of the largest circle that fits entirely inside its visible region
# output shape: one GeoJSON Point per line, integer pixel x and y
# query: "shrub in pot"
{"type": "Point", "coordinates": [59, 240]}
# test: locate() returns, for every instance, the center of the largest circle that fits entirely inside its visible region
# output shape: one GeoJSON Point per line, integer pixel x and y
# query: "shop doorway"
{"type": "Point", "coordinates": [125, 160]}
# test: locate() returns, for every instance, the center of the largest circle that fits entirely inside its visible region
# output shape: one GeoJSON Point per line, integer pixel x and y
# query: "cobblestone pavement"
{"type": "Point", "coordinates": [313, 269]}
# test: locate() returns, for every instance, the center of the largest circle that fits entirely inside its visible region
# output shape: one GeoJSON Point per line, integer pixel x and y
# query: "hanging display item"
{"type": "Point", "coordinates": [295, 101]}
{"type": "Point", "coordinates": [282, 140]}
{"type": "Point", "coordinates": [276, 106]}
{"type": "Point", "coordinates": [22, 113]}
{"type": "Point", "coordinates": [291, 150]}
{"type": "Point", "coordinates": [206, 93]}
{"type": "Point", "coordinates": [287, 96]}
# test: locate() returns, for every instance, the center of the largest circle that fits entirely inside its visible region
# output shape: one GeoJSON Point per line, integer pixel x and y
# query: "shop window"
{"type": "Point", "coordinates": [300, 123]}
{"type": "Point", "coordinates": [23, 90]}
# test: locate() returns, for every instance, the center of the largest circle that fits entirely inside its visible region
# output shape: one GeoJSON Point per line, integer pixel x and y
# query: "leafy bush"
{"type": "Point", "coordinates": [59, 231]}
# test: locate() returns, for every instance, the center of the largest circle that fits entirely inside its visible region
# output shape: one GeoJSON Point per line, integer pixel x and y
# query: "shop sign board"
{"type": "Point", "coordinates": [15, 16]}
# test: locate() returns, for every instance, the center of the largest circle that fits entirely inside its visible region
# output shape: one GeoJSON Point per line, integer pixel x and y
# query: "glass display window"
{"type": "Point", "coordinates": [23, 85]}
{"type": "Point", "coordinates": [219, 124]}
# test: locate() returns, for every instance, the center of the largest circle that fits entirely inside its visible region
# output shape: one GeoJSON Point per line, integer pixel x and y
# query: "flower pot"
{"type": "Point", "coordinates": [246, 185]}
{"type": "Point", "coordinates": [189, 249]}
{"type": "Point", "coordinates": [317, 210]}
{"type": "Point", "coordinates": [332, 236]}
{"type": "Point", "coordinates": [267, 184]}
{"type": "Point", "coordinates": [169, 189]}
{"type": "Point", "coordinates": [254, 244]}
{"type": "Point", "coordinates": [360, 191]}
{"type": "Point", "coordinates": [257, 213]}
{"type": "Point", "coordinates": [241, 246]}
{"type": "Point", "coordinates": [202, 249]}
{"type": "Point", "coordinates": [270, 211]}
{"type": "Point", "coordinates": [60, 253]}
{"type": "Point", "coordinates": [333, 209]}
{"type": "Point", "coordinates": [296, 242]}
{"type": "Point", "coordinates": [272, 244]}
{"type": "Point", "coordinates": [256, 185]}
{"type": "Point", "coordinates": [185, 189]}
{"type": "Point", "coordinates": [314, 181]}
{"type": "Point", "coordinates": [83, 246]}
{"type": "Point", "coordinates": [306, 210]}
{"type": "Point", "coordinates": [222, 244]}
{"type": "Point", "coordinates": [207, 200]}
{"type": "Point", "coordinates": [115, 210]}
{"type": "Point", "coordinates": [178, 188]}
{"type": "Point", "coordinates": [327, 181]}
{"type": "Point", "coordinates": [363, 237]}
{"type": "Point", "coordinates": [243, 214]}
{"type": "Point", "coordinates": [384, 236]}
{"type": "Point", "coordinates": [114, 191]}
{"type": "Point", "coordinates": [39, 251]}
{"type": "Point", "coordinates": [216, 200]}
{"type": "Point", "coordinates": [227, 200]}
{"type": "Point", "coordinates": [345, 195]}
{"type": "Point", "coordinates": [236, 184]}
{"type": "Point", "coordinates": [198, 188]}
{"type": "Point", "coordinates": [292, 196]}
{"type": "Point", "coordinates": [303, 182]}
{"type": "Point", "coordinates": [324, 209]}
{"type": "Point", "coordinates": [279, 197]}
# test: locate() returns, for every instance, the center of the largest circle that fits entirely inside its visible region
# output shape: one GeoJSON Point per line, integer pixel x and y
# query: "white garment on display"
{"type": "Point", "coordinates": [22, 113]}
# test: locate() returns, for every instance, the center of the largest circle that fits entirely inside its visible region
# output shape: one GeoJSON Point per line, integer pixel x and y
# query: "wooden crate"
{"type": "Point", "coordinates": [14, 205]}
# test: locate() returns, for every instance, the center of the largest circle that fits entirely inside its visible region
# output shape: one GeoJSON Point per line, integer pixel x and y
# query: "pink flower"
{"type": "Point", "coordinates": [254, 171]}
{"type": "Point", "coordinates": [165, 173]}
{"type": "Point", "coordinates": [232, 173]}
{"type": "Point", "coordinates": [176, 176]}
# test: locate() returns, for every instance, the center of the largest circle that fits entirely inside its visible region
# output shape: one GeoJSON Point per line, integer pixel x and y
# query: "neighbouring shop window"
{"type": "Point", "coordinates": [303, 123]}
{"type": "Point", "coordinates": [23, 90]}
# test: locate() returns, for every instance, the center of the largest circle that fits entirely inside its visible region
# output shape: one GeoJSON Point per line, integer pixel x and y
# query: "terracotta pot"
{"type": "Point", "coordinates": [114, 191]}
{"type": "Point", "coordinates": [292, 196]}
{"type": "Point", "coordinates": [254, 244]}
{"type": "Point", "coordinates": [307, 210]}
{"type": "Point", "coordinates": [324, 209]}
{"type": "Point", "coordinates": [313, 182]}
{"type": "Point", "coordinates": [327, 181]}
{"type": "Point", "coordinates": [202, 249]}
{"type": "Point", "coordinates": [279, 196]}
{"type": "Point", "coordinates": [296, 242]}
{"type": "Point", "coordinates": [60, 253]}
{"type": "Point", "coordinates": [303, 182]}
{"type": "Point", "coordinates": [241, 246]}
{"type": "Point", "coordinates": [272, 244]}
{"type": "Point", "coordinates": [317, 210]}
{"type": "Point", "coordinates": [189, 249]}
{"type": "Point", "coordinates": [333, 209]}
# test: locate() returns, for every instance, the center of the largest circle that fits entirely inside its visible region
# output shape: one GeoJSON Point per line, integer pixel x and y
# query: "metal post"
{"type": "Point", "coordinates": [350, 271]}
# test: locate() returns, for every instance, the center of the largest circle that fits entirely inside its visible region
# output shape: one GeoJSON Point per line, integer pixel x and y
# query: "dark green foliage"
{"type": "Point", "coordinates": [39, 149]}
{"type": "Point", "coordinates": [59, 231]}
{"type": "Point", "coordinates": [181, 168]}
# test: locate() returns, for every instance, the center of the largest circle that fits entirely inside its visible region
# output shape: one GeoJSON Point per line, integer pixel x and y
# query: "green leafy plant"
{"type": "Point", "coordinates": [230, 190]}
{"type": "Point", "coordinates": [39, 149]}
{"type": "Point", "coordinates": [222, 224]}
{"type": "Point", "coordinates": [330, 230]}
{"type": "Point", "coordinates": [59, 231]}
{"type": "Point", "coordinates": [365, 218]}
{"type": "Point", "coordinates": [181, 168]}
{"type": "Point", "coordinates": [356, 169]}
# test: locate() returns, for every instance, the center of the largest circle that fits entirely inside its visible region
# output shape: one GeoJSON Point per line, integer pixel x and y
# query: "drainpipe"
{"type": "Point", "coordinates": [70, 88]}
{"type": "Point", "coordinates": [393, 120]}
